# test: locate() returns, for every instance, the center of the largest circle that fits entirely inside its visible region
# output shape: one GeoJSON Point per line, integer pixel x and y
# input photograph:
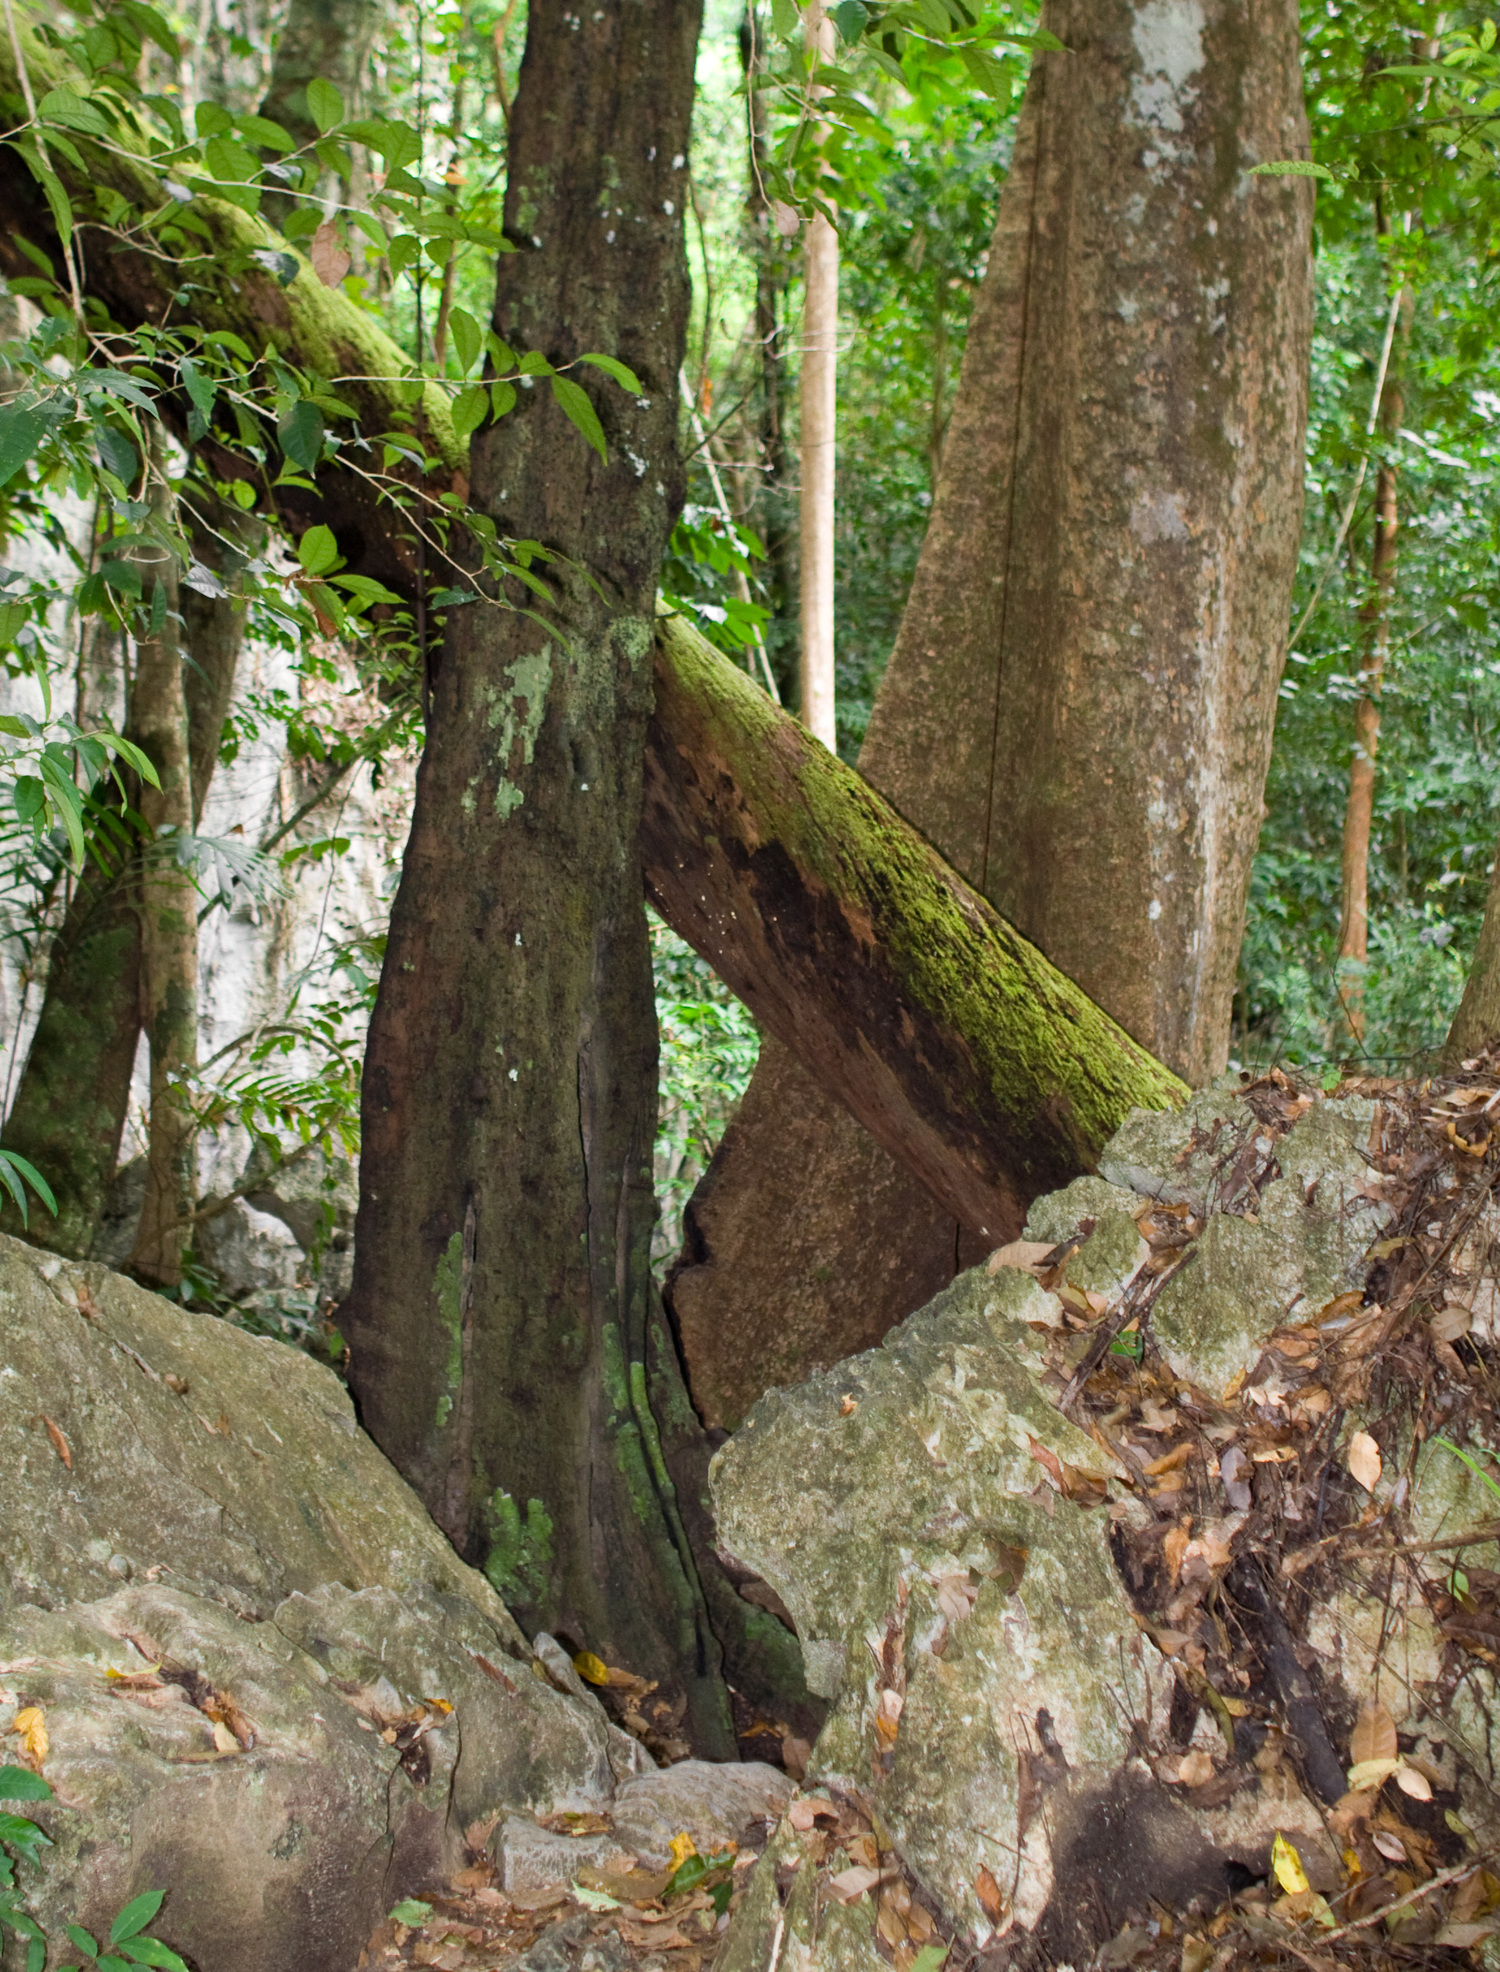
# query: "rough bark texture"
{"type": "Point", "coordinates": [1078, 710]}
{"type": "Point", "coordinates": [1477, 1022]}
{"type": "Point", "coordinates": [168, 904]}
{"type": "Point", "coordinates": [327, 38]}
{"type": "Point", "coordinates": [502, 1301]}
{"type": "Point", "coordinates": [74, 1091]}
{"type": "Point", "coordinates": [966, 1054]}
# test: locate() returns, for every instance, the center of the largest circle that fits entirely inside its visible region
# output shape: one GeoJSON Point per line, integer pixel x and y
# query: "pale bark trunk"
{"type": "Point", "coordinates": [819, 411]}
{"type": "Point", "coordinates": [169, 930]}
{"type": "Point", "coordinates": [1078, 710]}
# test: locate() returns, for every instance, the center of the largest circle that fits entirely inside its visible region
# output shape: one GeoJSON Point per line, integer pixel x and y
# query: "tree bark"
{"type": "Point", "coordinates": [1476, 1025]}
{"type": "Point", "coordinates": [168, 904]}
{"type": "Point", "coordinates": [502, 1306]}
{"type": "Point", "coordinates": [74, 1091]}
{"type": "Point", "coordinates": [990, 1076]}
{"type": "Point", "coordinates": [1375, 638]}
{"type": "Point", "coordinates": [1078, 709]}
{"type": "Point", "coordinates": [818, 397]}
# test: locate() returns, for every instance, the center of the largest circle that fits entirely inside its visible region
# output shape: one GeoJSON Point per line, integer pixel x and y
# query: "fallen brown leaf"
{"type": "Point", "coordinates": [59, 1443]}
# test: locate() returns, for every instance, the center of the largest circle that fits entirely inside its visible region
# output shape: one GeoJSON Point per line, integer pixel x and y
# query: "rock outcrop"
{"type": "Point", "coordinates": [268, 1685]}
{"type": "Point", "coordinates": [1087, 1554]}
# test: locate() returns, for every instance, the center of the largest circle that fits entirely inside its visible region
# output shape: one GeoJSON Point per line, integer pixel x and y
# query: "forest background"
{"type": "Point", "coordinates": [1405, 236]}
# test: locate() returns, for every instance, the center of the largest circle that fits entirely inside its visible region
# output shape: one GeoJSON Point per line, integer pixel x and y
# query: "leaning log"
{"type": "Point", "coordinates": [971, 1059]}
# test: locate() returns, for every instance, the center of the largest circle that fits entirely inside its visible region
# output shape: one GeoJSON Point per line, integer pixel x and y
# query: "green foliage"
{"type": "Point", "coordinates": [709, 1045]}
{"type": "Point", "coordinates": [129, 1942]}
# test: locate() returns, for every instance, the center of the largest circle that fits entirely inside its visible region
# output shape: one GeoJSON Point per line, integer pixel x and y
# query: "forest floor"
{"type": "Point", "coordinates": [1225, 1597]}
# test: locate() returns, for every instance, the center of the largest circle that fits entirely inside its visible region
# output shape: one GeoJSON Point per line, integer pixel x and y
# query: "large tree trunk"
{"type": "Point", "coordinates": [986, 1072]}
{"type": "Point", "coordinates": [1078, 710]}
{"type": "Point", "coordinates": [502, 1302]}
{"type": "Point", "coordinates": [1476, 1025]}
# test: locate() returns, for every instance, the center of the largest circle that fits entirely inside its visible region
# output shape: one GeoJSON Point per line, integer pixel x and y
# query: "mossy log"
{"type": "Point", "coordinates": [970, 1058]}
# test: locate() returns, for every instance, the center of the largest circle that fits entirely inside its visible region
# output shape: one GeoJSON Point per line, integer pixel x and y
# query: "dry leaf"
{"type": "Point", "coordinates": [888, 1714]}
{"type": "Point", "coordinates": [956, 1596]}
{"type": "Point", "coordinates": [788, 219]}
{"type": "Point", "coordinates": [59, 1443]}
{"type": "Point", "coordinates": [1026, 1254]}
{"type": "Point", "coordinates": [852, 1884]}
{"type": "Point", "coordinates": [990, 1895]}
{"type": "Point", "coordinates": [1451, 1323]}
{"type": "Point", "coordinates": [848, 1405]}
{"type": "Point", "coordinates": [1370, 1773]}
{"type": "Point", "coordinates": [1170, 1461]}
{"type": "Point", "coordinates": [1197, 1768]}
{"type": "Point", "coordinates": [30, 1726]}
{"type": "Point", "coordinates": [804, 1811]}
{"type": "Point", "coordinates": [1364, 1460]}
{"type": "Point", "coordinates": [329, 256]}
{"type": "Point", "coordinates": [224, 1739]}
{"type": "Point", "coordinates": [178, 1385]}
{"type": "Point", "coordinates": [1417, 1785]}
{"type": "Point", "coordinates": [1374, 1735]}
{"type": "Point", "coordinates": [1389, 1845]}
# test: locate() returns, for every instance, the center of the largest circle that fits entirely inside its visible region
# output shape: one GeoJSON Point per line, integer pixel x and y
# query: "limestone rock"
{"type": "Point", "coordinates": [714, 1804]}
{"type": "Point", "coordinates": [209, 1505]}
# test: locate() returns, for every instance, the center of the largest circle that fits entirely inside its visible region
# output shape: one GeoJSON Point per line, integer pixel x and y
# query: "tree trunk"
{"type": "Point", "coordinates": [74, 1091]}
{"type": "Point", "coordinates": [1476, 1025]}
{"type": "Point", "coordinates": [990, 1076]}
{"type": "Point", "coordinates": [331, 39]}
{"type": "Point", "coordinates": [169, 921]}
{"type": "Point", "coordinates": [1375, 638]}
{"type": "Point", "coordinates": [502, 1302]}
{"type": "Point", "coordinates": [1078, 710]}
{"type": "Point", "coordinates": [819, 409]}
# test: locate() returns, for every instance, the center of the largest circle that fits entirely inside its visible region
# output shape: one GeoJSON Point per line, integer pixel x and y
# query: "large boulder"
{"type": "Point", "coordinates": [269, 1685]}
{"type": "Point", "coordinates": [1048, 1582]}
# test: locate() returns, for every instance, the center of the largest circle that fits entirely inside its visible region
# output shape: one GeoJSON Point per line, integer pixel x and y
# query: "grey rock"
{"type": "Point", "coordinates": [532, 1858]}
{"type": "Point", "coordinates": [1058, 1214]}
{"type": "Point", "coordinates": [249, 1250]}
{"type": "Point", "coordinates": [224, 1515]}
{"type": "Point", "coordinates": [714, 1804]}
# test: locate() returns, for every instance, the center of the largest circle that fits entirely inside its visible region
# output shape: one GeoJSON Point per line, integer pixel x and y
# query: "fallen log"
{"type": "Point", "coordinates": [971, 1059]}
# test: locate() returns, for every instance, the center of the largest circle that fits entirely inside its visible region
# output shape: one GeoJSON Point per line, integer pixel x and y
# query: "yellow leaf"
{"type": "Point", "coordinates": [1364, 1460]}
{"type": "Point", "coordinates": [224, 1739]}
{"type": "Point", "coordinates": [683, 1846]}
{"type": "Point", "coordinates": [1374, 1735]}
{"type": "Point", "coordinates": [30, 1722]}
{"type": "Point", "coordinates": [1288, 1867]}
{"type": "Point", "coordinates": [1370, 1773]}
{"type": "Point", "coordinates": [592, 1669]}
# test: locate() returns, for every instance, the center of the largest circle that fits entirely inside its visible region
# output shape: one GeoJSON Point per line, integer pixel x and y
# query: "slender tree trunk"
{"type": "Point", "coordinates": [71, 1101]}
{"type": "Point", "coordinates": [819, 410]}
{"type": "Point", "coordinates": [502, 1306]}
{"type": "Point", "coordinates": [1078, 710]}
{"type": "Point", "coordinates": [169, 923]}
{"type": "Point", "coordinates": [1375, 638]}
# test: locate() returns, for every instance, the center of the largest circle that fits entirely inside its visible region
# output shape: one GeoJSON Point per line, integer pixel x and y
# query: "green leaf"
{"type": "Point", "coordinates": [593, 1899]}
{"type": "Point", "coordinates": [261, 130]}
{"type": "Point", "coordinates": [67, 107]}
{"type": "Point", "coordinates": [36, 1955]}
{"type": "Point", "coordinates": [65, 799]}
{"type": "Point", "coordinates": [212, 120]}
{"type": "Point", "coordinates": [1292, 167]}
{"type": "Point", "coordinates": [151, 1951]}
{"type": "Point", "coordinates": [202, 392]}
{"type": "Point", "coordinates": [300, 431]}
{"type": "Point", "coordinates": [851, 18]}
{"type": "Point", "coordinates": [82, 1941]}
{"type": "Point", "coordinates": [534, 364]}
{"type": "Point", "coordinates": [468, 339]}
{"type": "Point", "coordinates": [574, 400]}
{"type": "Point", "coordinates": [929, 1958]}
{"type": "Point", "coordinates": [20, 1784]}
{"type": "Point", "coordinates": [621, 372]}
{"type": "Point", "coordinates": [136, 1915]}
{"type": "Point", "coordinates": [324, 105]}
{"type": "Point", "coordinates": [230, 161]}
{"type": "Point", "coordinates": [410, 1911]}
{"type": "Point", "coordinates": [470, 409]}
{"type": "Point", "coordinates": [785, 18]}
{"type": "Point", "coordinates": [33, 1177]}
{"type": "Point", "coordinates": [57, 200]}
{"type": "Point", "coordinates": [402, 251]}
{"type": "Point", "coordinates": [317, 551]}
{"type": "Point", "coordinates": [117, 454]}
{"type": "Point", "coordinates": [22, 430]}
{"type": "Point", "coordinates": [502, 398]}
